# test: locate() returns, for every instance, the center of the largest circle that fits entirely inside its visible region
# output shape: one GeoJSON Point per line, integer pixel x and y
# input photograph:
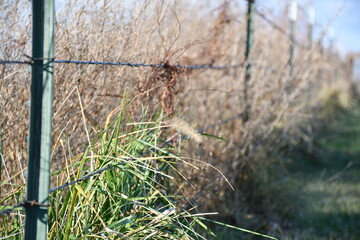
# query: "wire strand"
{"type": "Point", "coordinates": [11, 209]}
{"type": "Point", "coordinates": [129, 64]}
{"type": "Point", "coordinates": [3, 62]}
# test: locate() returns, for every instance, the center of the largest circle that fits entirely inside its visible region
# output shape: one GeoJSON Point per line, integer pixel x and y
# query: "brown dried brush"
{"type": "Point", "coordinates": [168, 76]}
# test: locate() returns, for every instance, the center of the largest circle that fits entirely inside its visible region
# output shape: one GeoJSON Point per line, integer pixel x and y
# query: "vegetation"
{"type": "Point", "coordinates": [128, 200]}
{"type": "Point", "coordinates": [250, 172]}
{"type": "Point", "coordinates": [123, 188]}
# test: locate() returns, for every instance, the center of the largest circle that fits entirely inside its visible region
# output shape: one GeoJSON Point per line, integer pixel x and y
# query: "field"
{"type": "Point", "coordinates": [181, 134]}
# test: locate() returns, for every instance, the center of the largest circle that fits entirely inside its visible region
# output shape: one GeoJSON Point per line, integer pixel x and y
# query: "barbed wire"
{"type": "Point", "coordinates": [85, 177]}
{"type": "Point", "coordinates": [130, 64]}
{"type": "Point", "coordinates": [3, 62]}
{"type": "Point", "coordinates": [11, 208]}
{"type": "Point", "coordinates": [97, 172]}
{"type": "Point", "coordinates": [134, 65]}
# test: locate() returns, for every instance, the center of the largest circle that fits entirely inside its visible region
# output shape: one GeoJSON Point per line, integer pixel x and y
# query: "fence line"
{"type": "Point", "coordinates": [27, 204]}
{"type": "Point", "coordinates": [97, 172]}
{"type": "Point", "coordinates": [130, 64]}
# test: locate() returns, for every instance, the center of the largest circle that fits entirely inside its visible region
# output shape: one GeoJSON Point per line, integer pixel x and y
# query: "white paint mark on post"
{"type": "Point", "coordinates": [312, 15]}
{"type": "Point", "coordinates": [293, 11]}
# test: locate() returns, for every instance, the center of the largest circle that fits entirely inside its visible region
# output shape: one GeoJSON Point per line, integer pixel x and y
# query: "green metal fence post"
{"type": "Point", "coordinates": [1, 153]}
{"type": "Point", "coordinates": [248, 58]}
{"type": "Point", "coordinates": [292, 17]}
{"type": "Point", "coordinates": [40, 119]}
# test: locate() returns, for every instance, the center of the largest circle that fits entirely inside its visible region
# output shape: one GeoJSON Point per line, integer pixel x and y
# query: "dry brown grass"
{"type": "Point", "coordinates": [169, 32]}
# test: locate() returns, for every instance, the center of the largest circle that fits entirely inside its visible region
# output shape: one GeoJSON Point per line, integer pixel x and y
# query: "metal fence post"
{"type": "Point", "coordinates": [248, 58]}
{"type": "Point", "coordinates": [1, 153]}
{"type": "Point", "coordinates": [292, 17]}
{"type": "Point", "coordinates": [40, 120]}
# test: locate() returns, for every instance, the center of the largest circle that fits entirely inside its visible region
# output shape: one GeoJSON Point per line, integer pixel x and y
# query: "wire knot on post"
{"type": "Point", "coordinates": [28, 204]}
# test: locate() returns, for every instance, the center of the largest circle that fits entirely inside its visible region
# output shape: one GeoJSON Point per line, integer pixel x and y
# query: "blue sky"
{"type": "Point", "coordinates": [346, 26]}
